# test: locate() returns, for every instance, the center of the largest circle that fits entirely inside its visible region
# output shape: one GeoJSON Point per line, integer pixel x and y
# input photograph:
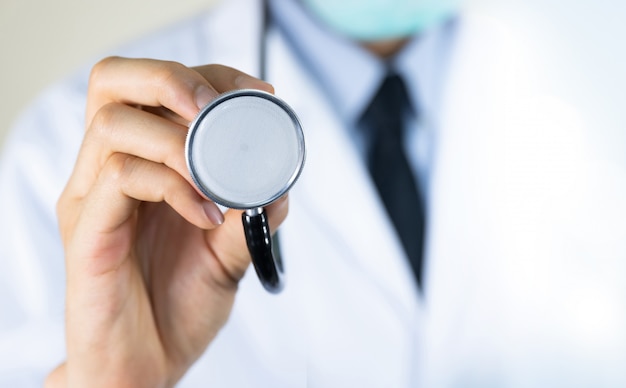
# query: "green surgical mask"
{"type": "Point", "coordinates": [373, 20]}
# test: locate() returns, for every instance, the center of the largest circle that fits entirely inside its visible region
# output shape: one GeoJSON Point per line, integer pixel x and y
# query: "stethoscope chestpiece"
{"type": "Point", "coordinates": [244, 150]}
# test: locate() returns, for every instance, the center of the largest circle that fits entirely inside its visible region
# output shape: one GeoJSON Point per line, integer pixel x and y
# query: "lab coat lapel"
{"type": "Point", "coordinates": [335, 186]}
{"type": "Point", "coordinates": [465, 286]}
{"type": "Point", "coordinates": [465, 189]}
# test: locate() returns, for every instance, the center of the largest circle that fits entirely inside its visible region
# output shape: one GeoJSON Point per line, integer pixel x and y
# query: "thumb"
{"type": "Point", "coordinates": [228, 242]}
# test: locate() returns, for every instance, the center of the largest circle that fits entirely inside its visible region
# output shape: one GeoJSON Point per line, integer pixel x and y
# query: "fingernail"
{"type": "Point", "coordinates": [204, 95]}
{"type": "Point", "coordinates": [213, 213]}
{"type": "Point", "coordinates": [246, 82]}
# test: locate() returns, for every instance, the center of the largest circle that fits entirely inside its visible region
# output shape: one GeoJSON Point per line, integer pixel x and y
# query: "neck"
{"type": "Point", "coordinates": [385, 49]}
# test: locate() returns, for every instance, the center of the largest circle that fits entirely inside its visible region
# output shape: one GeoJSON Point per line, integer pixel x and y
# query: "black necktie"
{"type": "Point", "coordinates": [383, 122]}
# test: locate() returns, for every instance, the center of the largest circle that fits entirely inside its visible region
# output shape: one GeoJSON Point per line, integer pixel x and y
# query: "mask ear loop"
{"type": "Point", "coordinates": [269, 268]}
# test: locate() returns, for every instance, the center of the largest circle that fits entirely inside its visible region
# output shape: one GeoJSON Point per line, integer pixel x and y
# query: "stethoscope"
{"type": "Point", "coordinates": [245, 150]}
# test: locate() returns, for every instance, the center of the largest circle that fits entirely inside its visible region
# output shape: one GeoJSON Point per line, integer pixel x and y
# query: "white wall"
{"type": "Point", "coordinates": [41, 40]}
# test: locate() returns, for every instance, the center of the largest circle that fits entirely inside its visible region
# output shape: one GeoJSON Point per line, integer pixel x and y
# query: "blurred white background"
{"type": "Point", "coordinates": [578, 46]}
{"type": "Point", "coordinates": [578, 42]}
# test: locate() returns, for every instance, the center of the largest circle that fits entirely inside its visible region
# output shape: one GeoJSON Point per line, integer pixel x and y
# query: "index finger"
{"type": "Point", "coordinates": [158, 83]}
{"type": "Point", "coordinates": [147, 82]}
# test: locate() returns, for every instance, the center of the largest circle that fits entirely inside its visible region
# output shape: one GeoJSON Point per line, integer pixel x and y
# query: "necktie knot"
{"type": "Point", "coordinates": [388, 108]}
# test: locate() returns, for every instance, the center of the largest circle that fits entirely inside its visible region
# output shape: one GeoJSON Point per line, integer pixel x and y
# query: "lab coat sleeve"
{"type": "Point", "coordinates": [36, 162]}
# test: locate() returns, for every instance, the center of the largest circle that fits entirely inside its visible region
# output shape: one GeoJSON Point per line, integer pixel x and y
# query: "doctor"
{"type": "Point", "coordinates": [156, 290]}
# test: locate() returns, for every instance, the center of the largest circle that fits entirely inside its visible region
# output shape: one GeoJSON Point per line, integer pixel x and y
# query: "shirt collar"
{"type": "Point", "coordinates": [349, 74]}
{"type": "Point", "coordinates": [423, 65]}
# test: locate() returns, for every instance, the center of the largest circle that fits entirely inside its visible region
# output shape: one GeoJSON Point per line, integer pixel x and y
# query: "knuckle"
{"type": "Point", "coordinates": [214, 67]}
{"type": "Point", "coordinates": [99, 68]}
{"type": "Point", "coordinates": [167, 71]}
{"type": "Point", "coordinates": [170, 193]}
{"type": "Point", "coordinates": [67, 208]}
{"type": "Point", "coordinates": [174, 151]}
{"type": "Point", "coordinates": [118, 168]}
{"type": "Point", "coordinates": [173, 188]}
{"type": "Point", "coordinates": [171, 80]}
{"type": "Point", "coordinates": [104, 121]}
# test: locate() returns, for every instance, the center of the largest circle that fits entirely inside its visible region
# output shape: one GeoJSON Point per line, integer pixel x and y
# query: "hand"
{"type": "Point", "coordinates": [151, 279]}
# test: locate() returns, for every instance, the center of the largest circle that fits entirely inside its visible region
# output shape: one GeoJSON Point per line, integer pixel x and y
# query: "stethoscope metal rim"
{"type": "Point", "coordinates": [206, 110]}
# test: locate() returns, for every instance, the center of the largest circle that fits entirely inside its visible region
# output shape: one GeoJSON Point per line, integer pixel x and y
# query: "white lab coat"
{"type": "Point", "coordinates": [516, 292]}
